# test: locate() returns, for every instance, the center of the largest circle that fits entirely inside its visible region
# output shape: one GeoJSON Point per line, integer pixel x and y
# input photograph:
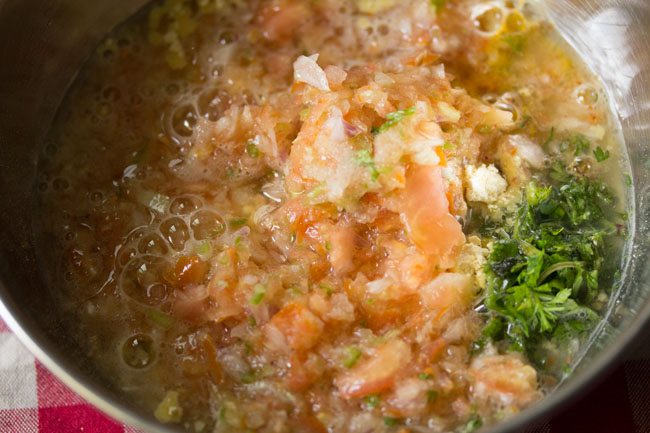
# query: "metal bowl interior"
{"type": "Point", "coordinates": [42, 46]}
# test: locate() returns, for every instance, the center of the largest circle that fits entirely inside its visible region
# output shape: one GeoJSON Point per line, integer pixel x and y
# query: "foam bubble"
{"type": "Point", "coordinates": [139, 277]}
{"type": "Point", "coordinates": [174, 230]}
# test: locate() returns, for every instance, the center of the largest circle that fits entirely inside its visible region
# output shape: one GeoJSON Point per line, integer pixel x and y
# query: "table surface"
{"type": "Point", "coordinates": [32, 400]}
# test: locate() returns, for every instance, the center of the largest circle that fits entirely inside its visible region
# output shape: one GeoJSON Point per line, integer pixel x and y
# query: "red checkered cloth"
{"type": "Point", "coordinates": [32, 400]}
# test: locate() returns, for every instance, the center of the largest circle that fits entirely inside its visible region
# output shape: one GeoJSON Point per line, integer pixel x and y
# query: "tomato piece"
{"type": "Point", "coordinates": [378, 373]}
{"type": "Point", "coordinates": [426, 210]}
{"type": "Point", "coordinates": [301, 328]}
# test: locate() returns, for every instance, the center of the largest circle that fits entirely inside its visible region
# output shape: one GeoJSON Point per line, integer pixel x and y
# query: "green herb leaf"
{"type": "Point", "coordinates": [236, 223]}
{"type": "Point", "coordinates": [516, 42]}
{"type": "Point", "coordinates": [364, 158]}
{"type": "Point", "coordinates": [545, 269]}
{"type": "Point", "coordinates": [391, 422]}
{"type": "Point", "coordinates": [372, 400]}
{"type": "Point", "coordinates": [473, 424]}
{"type": "Point", "coordinates": [258, 294]}
{"type": "Point", "coordinates": [425, 376]}
{"type": "Point", "coordinates": [392, 119]}
{"type": "Point", "coordinates": [438, 4]}
{"type": "Point", "coordinates": [159, 318]}
{"type": "Point", "coordinates": [252, 150]}
{"type": "Point", "coordinates": [352, 355]}
{"type": "Point", "coordinates": [600, 154]}
{"type": "Point", "coordinates": [249, 377]}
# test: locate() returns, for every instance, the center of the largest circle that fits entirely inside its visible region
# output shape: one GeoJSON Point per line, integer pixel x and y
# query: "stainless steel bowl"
{"type": "Point", "coordinates": [43, 44]}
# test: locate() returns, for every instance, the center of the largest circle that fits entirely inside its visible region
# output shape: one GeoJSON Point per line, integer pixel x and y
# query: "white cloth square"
{"type": "Point", "coordinates": [17, 374]}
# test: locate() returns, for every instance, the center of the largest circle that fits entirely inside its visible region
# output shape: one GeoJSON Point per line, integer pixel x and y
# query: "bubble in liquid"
{"type": "Point", "coordinates": [509, 108]}
{"type": "Point", "coordinates": [111, 93]}
{"type": "Point", "coordinates": [183, 120]}
{"type": "Point", "coordinates": [139, 277]}
{"type": "Point", "coordinates": [135, 100]}
{"type": "Point", "coordinates": [207, 225]}
{"type": "Point", "coordinates": [586, 95]}
{"type": "Point", "coordinates": [83, 268]}
{"type": "Point", "coordinates": [213, 103]}
{"type": "Point", "coordinates": [515, 22]}
{"type": "Point", "coordinates": [125, 255]}
{"type": "Point", "coordinates": [152, 244]}
{"type": "Point", "coordinates": [97, 197]}
{"type": "Point", "coordinates": [227, 37]}
{"type": "Point", "coordinates": [51, 149]}
{"type": "Point", "coordinates": [172, 89]}
{"type": "Point", "coordinates": [184, 205]}
{"type": "Point", "coordinates": [175, 232]}
{"type": "Point", "coordinates": [138, 351]}
{"type": "Point", "coordinates": [135, 234]}
{"type": "Point", "coordinates": [60, 184]}
{"type": "Point", "coordinates": [488, 18]}
{"type": "Point", "coordinates": [158, 292]}
{"type": "Point", "coordinates": [489, 98]}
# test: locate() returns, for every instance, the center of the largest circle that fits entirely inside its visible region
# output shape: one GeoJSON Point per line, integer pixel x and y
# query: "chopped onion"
{"type": "Point", "coordinates": [306, 70]}
{"type": "Point", "coordinates": [528, 150]}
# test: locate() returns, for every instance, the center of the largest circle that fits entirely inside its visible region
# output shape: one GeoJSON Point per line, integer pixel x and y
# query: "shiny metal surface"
{"type": "Point", "coordinates": [43, 44]}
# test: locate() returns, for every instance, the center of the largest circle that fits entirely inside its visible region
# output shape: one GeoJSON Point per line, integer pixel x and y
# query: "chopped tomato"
{"type": "Point", "coordinates": [431, 351]}
{"type": "Point", "coordinates": [504, 379]}
{"type": "Point", "coordinates": [378, 373]}
{"type": "Point", "coordinates": [341, 249]}
{"type": "Point", "coordinates": [447, 295]}
{"type": "Point", "coordinates": [191, 302]}
{"type": "Point", "coordinates": [426, 210]}
{"type": "Point", "coordinates": [300, 327]}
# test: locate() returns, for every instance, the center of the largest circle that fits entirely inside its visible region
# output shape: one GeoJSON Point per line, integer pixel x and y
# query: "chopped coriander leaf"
{"type": "Point", "coordinates": [317, 192]}
{"type": "Point", "coordinates": [391, 422]}
{"type": "Point", "coordinates": [252, 322]}
{"type": "Point", "coordinates": [438, 4]}
{"type": "Point", "coordinates": [516, 42]}
{"type": "Point", "coordinates": [448, 145]}
{"type": "Point", "coordinates": [258, 294]}
{"type": "Point", "coordinates": [249, 377]}
{"type": "Point", "coordinates": [432, 396]}
{"type": "Point", "coordinates": [580, 144]}
{"type": "Point", "coordinates": [328, 288]}
{"type": "Point", "coordinates": [252, 150]}
{"type": "Point", "coordinates": [159, 318]}
{"type": "Point", "coordinates": [549, 139]}
{"type": "Point", "coordinates": [393, 119]}
{"type": "Point", "coordinates": [365, 159]}
{"type": "Point", "coordinates": [425, 376]}
{"type": "Point", "coordinates": [371, 400]}
{"type": "Point", "coordinates": [545, 270]}
{"type": "Point", "coordinates": [600, 154]}
{"type": "Point", "coordinates": [204, 249]}
{"type": "Point", "coordinates": [474, 423]}
{"type": "Point", "coordinates": [237, 222]}
{"type": "Point", "coordinates": [352, 355]}
{"type": "Point", "coordinates": [628, 180]}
